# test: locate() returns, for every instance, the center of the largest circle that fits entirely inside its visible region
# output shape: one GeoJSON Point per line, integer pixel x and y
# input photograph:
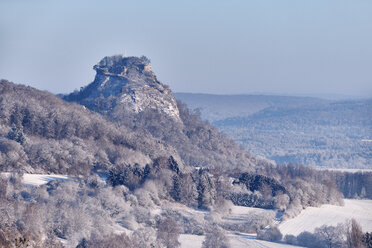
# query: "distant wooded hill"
{"type": "Point", "coordinates": [301, 130]}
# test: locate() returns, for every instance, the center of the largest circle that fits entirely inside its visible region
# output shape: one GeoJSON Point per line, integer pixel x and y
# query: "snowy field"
{"type": "Point", "coordinates": [39, 179]}
{"type": "Point", "coordinates": [237, 240]}
{"type": "Point", "coordinates": [308, 220]}
{"type": "Point", "coordinates": [312, 217]}
{"type": "Point", "coordinates": [238, 215]}
{"type": "Point", "coordinates": [242, 240]}
{"type": "Point", "coordinates": [343, 169]}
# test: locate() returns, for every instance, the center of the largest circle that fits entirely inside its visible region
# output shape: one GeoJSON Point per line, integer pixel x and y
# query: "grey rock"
{"type": "Point", "coordinates": [125, 86]}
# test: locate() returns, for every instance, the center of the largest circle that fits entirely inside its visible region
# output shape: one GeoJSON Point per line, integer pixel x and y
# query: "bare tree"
{"type": "Point", "coordinates": [271, 234]}
{"type": "Point", "coordinates": [3, 188]}
{"type": "Point", "coordinates": [168, 233]}
{"type": "Point", "coordinates": [306, 239]}
{"type": "Point", "coordinates": [216, 238]}
{"type": "Point", "coordinates": [145, 238]}
{"type": "Point", "coordinates": [331, 236]}
{"type": "Point", "coordinates": [290, 239]}
{"type": "Point", "coordinates": [112, 241]}
{"type": "Point", "coordinates": [354, 234]}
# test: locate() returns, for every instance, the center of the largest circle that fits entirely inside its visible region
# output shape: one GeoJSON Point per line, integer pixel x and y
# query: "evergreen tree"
{"type": "Point", "coordinates": [16, 134]}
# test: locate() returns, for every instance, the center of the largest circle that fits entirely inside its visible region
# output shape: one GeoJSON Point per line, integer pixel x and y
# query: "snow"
{"type": "Point", "coordinates": [312, 217]}
{"type": "Point", "coordinates": [237, 240]}
{"type": "Point", "coordinates": [187, 211]}
{"type": "Point", "coordinates": [240, 240]}
{"type": "Point", "coordinates": [241, 211]}
{"type": "Point", "coordinates": [106, 80]}
{"type": "Point", "coordinates": [237, 215]}
{"type": "Point", "coordinates": [39, 179]}
{"type": "Point", "coordinates": [240, 215]}
{"type": "Point", "coordinates": [191, 241]}
{"type": "Point", "coordinates": [308, 220]}
{"type": "Point", "coordinates": [344, 169]}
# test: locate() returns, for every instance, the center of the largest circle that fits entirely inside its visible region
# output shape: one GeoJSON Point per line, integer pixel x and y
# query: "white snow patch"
{"type": "Point", "coordinates": [236, 240]}
{"type": "Point", "coordinates": [344, 169]}
{"type": "Point", "coordinates": [187, 211]}
{"type": "Point", "coordinates": [240, 215]}
{"type": "Point", "coordinates": [239, 211]}
{"type": "Point", "coordinates": [104, 82]}
{"type": "Point", "coordinates": [191, 241]}
{"type": "Point", "coordinates": [312, 217]}
{"type": "Point", "coordinates": [247, 240]}
{"type": "Point", "coordinates": [39, 179]}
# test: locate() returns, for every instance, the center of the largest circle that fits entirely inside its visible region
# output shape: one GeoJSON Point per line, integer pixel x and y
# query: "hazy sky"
{"type": "Point", "coordinates": [209, 46]}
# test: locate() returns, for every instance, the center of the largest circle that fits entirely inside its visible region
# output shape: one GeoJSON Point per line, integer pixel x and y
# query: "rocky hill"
{"type": "Point", "coordinates": [127, 117]}
{"type": "Point", "coordinates": [127, 92]}
{"type": "Point", "coordinates": [125, 86]}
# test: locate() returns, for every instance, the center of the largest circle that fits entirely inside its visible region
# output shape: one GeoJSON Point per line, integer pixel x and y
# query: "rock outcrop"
{"type": "Point", "coordinates": [126, 85]}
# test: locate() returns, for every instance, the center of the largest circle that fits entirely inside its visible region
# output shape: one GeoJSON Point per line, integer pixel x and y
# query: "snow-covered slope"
{"type": "Point", "coordinates": [238, 215]}
{"type": "Point", "coordinates": [312, 217]}
{"type": "Point", "coordinates": [39, 179]}
{"type": "Point", "coordinates": [242, 240]}
{"type": "Point", "coordinates": [237, 240]}
{"type": "Point", "coordinates": [308, 220]}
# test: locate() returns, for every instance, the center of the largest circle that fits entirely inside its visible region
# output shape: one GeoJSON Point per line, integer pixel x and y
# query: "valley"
{"type": "Point", "coordinates": [289, 129]}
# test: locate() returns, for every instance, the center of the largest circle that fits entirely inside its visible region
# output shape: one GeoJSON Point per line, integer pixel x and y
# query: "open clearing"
{"type": "Point", "coordinates": [237, 240]}
{"type": "Point", "coordinates": [39, 179]}
{"type": "Point", "coordinates": [312, 217]}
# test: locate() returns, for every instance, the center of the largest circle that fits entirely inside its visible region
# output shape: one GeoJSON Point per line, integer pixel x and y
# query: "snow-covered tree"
{"type": "Point", "coordinates": [168, 233]}
{"type": "Point", "coordinates": [216, 238]}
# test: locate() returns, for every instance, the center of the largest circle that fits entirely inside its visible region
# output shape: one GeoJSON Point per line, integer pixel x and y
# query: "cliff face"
{"type": "Point", "coordinates": [126, 85]}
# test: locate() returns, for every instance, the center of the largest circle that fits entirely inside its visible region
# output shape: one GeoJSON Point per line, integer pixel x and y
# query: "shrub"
{"type": "Point", "coordinates": [216, 238]}
{"type": "Point", "coordinates": [271, 234]}
{"type": "Point", "coordinates": [290, 239]}
{"type": "Point", "coordinates": [168, 233]}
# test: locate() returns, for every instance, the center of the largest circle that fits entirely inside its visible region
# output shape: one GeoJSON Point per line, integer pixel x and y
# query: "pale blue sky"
{"type": "Point", "coordinates": [210, 46]}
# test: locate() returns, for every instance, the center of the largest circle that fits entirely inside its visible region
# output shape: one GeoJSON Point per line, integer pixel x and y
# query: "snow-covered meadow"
{"type": "Point", "coordinates": [312, 217]}
{"type": "Point", "coordinates": [307, 220]}
{"type": "Point", "coordinates": [237, 216]}
{"type": "Point", "coordinates": [39, 179]}
{"type": "Point", "coordinates": [236, 240]}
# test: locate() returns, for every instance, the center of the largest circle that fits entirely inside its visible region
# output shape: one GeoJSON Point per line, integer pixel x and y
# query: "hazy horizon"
{"type": "Point", "coordinates": [217, 47]}
{"type": "Point", "coordinates": [327, 96]}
